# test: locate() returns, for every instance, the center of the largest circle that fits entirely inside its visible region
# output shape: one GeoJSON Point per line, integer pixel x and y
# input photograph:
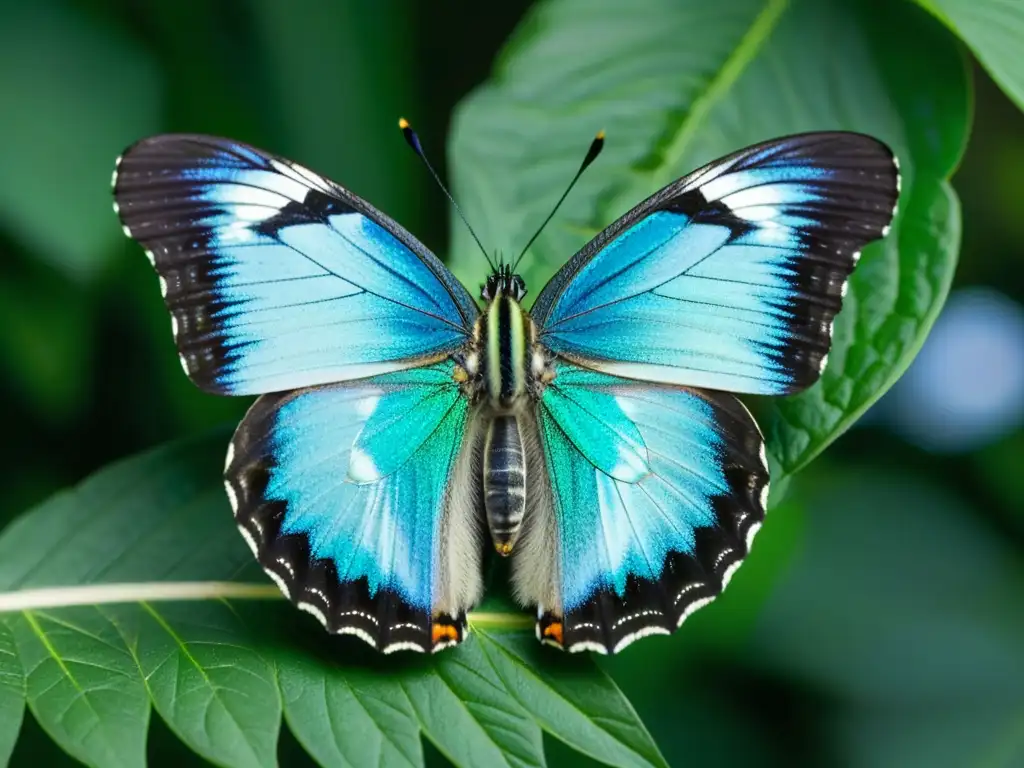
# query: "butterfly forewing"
{"type": "Point", "coordinates": [731, 277]}
{"type": "Point", "coordinates": [277, 278]}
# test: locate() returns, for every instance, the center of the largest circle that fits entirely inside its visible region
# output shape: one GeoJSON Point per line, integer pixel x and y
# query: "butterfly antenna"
{"type": "Point", "coordinates": [414, 141]}
{"type": "Point", "coordinates": [595, 149]}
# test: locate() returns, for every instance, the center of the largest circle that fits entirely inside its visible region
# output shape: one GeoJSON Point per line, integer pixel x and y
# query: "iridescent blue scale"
{"type": "Point", "coordinates": [391, 405]}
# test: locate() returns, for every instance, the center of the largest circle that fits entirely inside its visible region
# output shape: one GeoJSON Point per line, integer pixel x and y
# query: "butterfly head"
{"type": "Point", "coordinates": [502, 282]}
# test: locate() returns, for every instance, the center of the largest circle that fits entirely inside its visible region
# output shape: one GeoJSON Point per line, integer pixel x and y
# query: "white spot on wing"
{"type": "Point", "coordinates": [763, 455]}
{"type": "Point", "coordinates": [232, 497]}
{"type": "Point", "coordinates": [281, 583]}
{"type": "Point", "coordinates": [727, 576]}
{"type": "Point", "coordinates": [587, 645]}
{"type": "Point", "coordinates": [312, 610]}
{"type": "Point", "coordinates": [695, 605]}
{"type": "Point", "coordinates": [230, 456]}
{"type": "Point", "coordinates": [127, 232]}
{"type": "Point", "coordinates": [249, 540]}
{"type": "Point", "coordinates": [756, 526]}
{"type": "Point", "coordinates": [184, 365]}
{"type": "Point", "coordinates": [117, 208]}
{"type": "Point", "coordinates": [888, 227]}
{"type": "Point", "coordinates": [405, 645]}
{"type": "Point", "coordinates": [362, 634]}
{"type": "Point", "coordinates": [174, 326]}
{"type": "Point", "coordinates": [151, 257]}
{"type": "Point", "coordinates": [632, 638]}
{"type": "Point", "coordinates": [163, 286]}
{"type": "Point", "coordinates": [414, 647]}
{"type": "Point", "coordinates": [361, 468]}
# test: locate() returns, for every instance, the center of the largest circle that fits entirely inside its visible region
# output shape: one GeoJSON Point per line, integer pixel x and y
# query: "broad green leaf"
{"type": "Point", "coordinates": [92, 671]}
{"type": "Point", "coordinates": [900, 285]}
{"type": "Point", "coordinates": [904, 613]}
{"type": "Point", "coordinates": [12, 692]}
{"type": "Point", "coordinates": [678, 83]}
{"type": "Point", "coordinates": [585, 710]}
{"type": "Point", "coordinates": [97, 576]}
{"type": "Point", "coordinates": [347, 716]}
{"type": "Point", "coordinates": [214, 690]}
{"type": "Point", "coordinates": [884, 321]}
{"type": "Point", "coordinates": [76, 94]}
{"type": "Point", "coordinates": [468, 714]}
{"type": "Point", "coordinates": [82, 685]}
{"type": "Point", "coordinates": [993, 29]}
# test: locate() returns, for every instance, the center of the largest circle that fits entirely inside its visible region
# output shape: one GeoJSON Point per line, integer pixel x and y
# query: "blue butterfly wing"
{"type": "Point", "coordinates": [642, 530]}
{"type": "Point", "coordinates": [277, 278]}
{"type": "Point", "coordinates": [354, 498]}
{"type": "Point", "coordinates": [731, 277]}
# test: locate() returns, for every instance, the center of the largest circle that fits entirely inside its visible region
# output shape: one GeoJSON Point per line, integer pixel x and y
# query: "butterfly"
{"type": "Point", "coordinates": [595, 439]}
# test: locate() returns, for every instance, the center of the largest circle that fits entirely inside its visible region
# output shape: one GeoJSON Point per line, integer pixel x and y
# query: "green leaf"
{"type": "Point", "coordinates": [901, 610]}
{"type": "Point", "coordinates": [92, 671]}
{"type": "Point", "coordinates": [87, 94]}
{"type": "Point", "coordinates": [324, 704]}
{"type": "Point", "coordinates": [82, 686]}
{"type": "Point", "coordinates": [889, 309]}
{"type": "Point", "coordinates": [573, 703]}
{"type": "Point", "coordinates": [214, 690]}
{"type": "Point", "coordinates": [469, 715]}
{"type": "Point", "coordinates": [12, 693]}
{"type": "Point", "coordinates": [102, 631]}
{"type": "Point", "coordinates": [352, 134]}
{"type": "Point", "coordinates": [993, 29]}
{"type": "Point", "coordinates": [671, 99]}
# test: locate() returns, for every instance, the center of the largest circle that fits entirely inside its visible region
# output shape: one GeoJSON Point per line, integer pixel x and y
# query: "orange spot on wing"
{"type": "Point", "coordinates": [444, 632]}
{"type": "Point", "coordinates": [553, 631]}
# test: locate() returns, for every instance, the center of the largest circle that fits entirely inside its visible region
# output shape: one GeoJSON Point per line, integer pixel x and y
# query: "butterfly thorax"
{"type": "Point", "coordinates": [500, 371]}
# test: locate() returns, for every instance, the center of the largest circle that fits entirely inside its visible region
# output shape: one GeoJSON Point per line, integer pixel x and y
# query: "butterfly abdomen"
{"type": "Point", "coordinates": [504, 482]}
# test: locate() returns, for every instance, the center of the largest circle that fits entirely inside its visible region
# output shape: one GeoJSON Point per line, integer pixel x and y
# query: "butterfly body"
{"type": "Point", "coordinates": [592, 439]}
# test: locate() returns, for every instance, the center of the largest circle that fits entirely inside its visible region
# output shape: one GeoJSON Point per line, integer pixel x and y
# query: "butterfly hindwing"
{"type": "Point", "coordinates": [636, 536]}
{"type": "Point", "coordinates": [729, 278]}
{"type": "Point", "coordinates": [355, 498]}
{"type": "Point", "coordinates": [277, 278]}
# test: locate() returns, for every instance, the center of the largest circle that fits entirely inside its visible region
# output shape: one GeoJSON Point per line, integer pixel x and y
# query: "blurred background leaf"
{"type": "Point", "coordinates": [63, 78]}
{"type": "Point", "coordinates": [88, 372]}
{"type": "Point", "coordinates": [994, 30]}
{"type": "Point", "coordinates": [915, 654]}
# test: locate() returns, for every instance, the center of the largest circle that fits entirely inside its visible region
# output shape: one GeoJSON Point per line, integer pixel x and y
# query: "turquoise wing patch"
{"type": "Point", "coordinates": [345, 493]}
{"type": "Point", "coordinates": [637, 554]}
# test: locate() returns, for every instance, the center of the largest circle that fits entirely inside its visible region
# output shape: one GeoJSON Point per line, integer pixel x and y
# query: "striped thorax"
{"type": "Point", "coordinates": [502, 355]}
